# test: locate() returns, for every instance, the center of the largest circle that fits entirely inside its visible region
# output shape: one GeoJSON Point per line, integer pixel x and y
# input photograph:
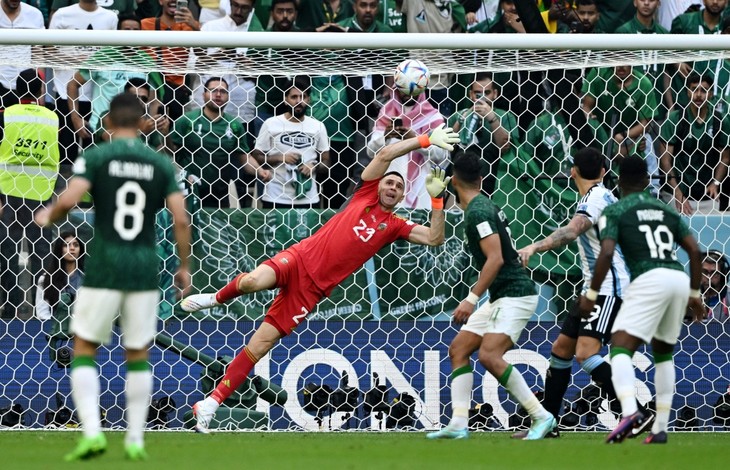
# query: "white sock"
{"type": "Point", "coordinates": [664, 379]}
{"type": "Point", "coordinates": [518, 388]}
{"type": "Point", "coordinates": [138, 391]}
{"type": "Point", "coordinates": [85, 393]}
{"type": "Point", "coordinates": [461, 388]}
{"type": "Point", "coordinates": [623, 378]}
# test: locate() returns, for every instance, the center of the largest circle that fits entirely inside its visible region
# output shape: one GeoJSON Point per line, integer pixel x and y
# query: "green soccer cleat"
{"type": "Point", "coordinates": [88, 447]}
{"type": "Point", "coordinates": [135, 452]}
{"type": "Point", "coordinates": [540, 428]}
{"type": "Point", "coordinates": [447, 433]}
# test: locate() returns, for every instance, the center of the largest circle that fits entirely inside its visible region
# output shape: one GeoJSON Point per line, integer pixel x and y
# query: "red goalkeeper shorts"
{"type": "Point", "coordinates": [298, 294]}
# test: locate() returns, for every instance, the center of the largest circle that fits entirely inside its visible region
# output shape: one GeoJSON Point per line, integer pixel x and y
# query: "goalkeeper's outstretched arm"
{"type": "Point", "coordinates": [442, 137]}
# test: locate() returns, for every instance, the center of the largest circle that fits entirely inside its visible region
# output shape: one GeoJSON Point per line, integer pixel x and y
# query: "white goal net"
{"type": "Point", "coordinates": [374, 355]}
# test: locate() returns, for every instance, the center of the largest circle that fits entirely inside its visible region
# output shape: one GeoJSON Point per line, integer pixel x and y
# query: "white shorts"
{"type": "Point", "coordinates": [96, 309]}
{"type": "Point", "coordinates": [654, 306]}
{"type": "Point", "coordinates": [507, 315]}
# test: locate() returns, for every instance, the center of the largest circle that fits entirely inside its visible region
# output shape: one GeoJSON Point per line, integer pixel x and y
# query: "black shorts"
{"type": "Point", "coordinates": [598, 325]}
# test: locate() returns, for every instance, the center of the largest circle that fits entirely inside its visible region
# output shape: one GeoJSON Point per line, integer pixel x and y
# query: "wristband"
{"type": "Point", "coordinates": [591, 295]}
{"type": "Point", "coordinates": [694, 293]}
{"type": "Point", "coordinates": [437, 203]}
{"type": "Point", "coordinates": [424, 140]}
{"type": "Point", "coordinates": [472, 298]}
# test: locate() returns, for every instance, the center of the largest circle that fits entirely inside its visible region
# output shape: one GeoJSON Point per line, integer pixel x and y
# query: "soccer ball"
{"type": "Point", "coordinates": [411, 77]}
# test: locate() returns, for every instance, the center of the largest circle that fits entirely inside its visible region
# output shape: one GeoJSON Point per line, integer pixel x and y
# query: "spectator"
{"type": "Point", "coordinates": [242, 89]}
{"type": "Point", "coordinates": [57, 286]}
{"type": "Point", "coordinates": [314, 14]}
{"type": "Point", "coordinates": [562, 129]}
{"type": "Point", "coordinates": [614, 13]}
{"type": "Point", "coordinates": [16, 15]}
{"type": "Point", "coordinates": [715, 271]}
{"type": "Point", "coordinates": [404, 117]}
{"type": "Point", "coordinates": [210, 145]}
{"type": "Point", "coordinates": [86, 14]}
{"type": "Point", "coordinates": [695, 149]}
{"type": "Point", "coordinates": [587, 16]}
{"type": "Point", "coordinates": [493, 130]}
{"type": "Point", "coordinates": [175, 93]}
{"type": "Point", "coordinates": [153, 128]}
{"type": "Point", "coordinates": [294, 146]}
{"type": "Point", "coordinates": [391, 15]}
{"type": "Point", "coordinates": [109, 82]}
{"type": "Point", "coordinates": [668, 11]}
{"type": "Point", "coordinates": [43, 5]}
{"type": "Point", "coordinates": [118, 7]}
{"type": "Point", "coordinates": [623, 100]}
{"type": "Point", "coordinates": [481, 10]}
{"type": "Point", "coordinates": [645, 23]}
{"type": "Point", "coordinates": [365, 19]}
{"type": "Point", "coordinates": [706, 21]}
{"type": "Point", "coordinates": [436, 16]}
{"type": "Point", "coordinates": [29, 156]}
{"type": "Point", "coordinates": [269, 89]}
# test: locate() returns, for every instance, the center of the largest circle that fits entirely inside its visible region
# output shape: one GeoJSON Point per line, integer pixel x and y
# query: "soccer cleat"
{"type": "Point", "coordinates": [554, 434]}
{"type": "Point", "coordinates": [135, 452]}
{"type": "Point", "coordinates": [87, 448]}
{"type": "Point", "coordinates": [447, 433]}
{"type": "Point", "coordinates": [624, 427]}
{"type": "Point", "coordinates": [540, 428]}
{"type": "Point", "coordinates": [195, 302]}
{"type": "Point", "coordinates": [203, 413]}
{"type": "Point", "coordinates": [644, 426]}
{"type": "Point", "coordinates": [658, 438]}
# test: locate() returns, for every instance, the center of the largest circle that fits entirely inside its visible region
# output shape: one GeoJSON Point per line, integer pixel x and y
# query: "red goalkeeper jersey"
{"type": "Point", "coordinates": [350, 238]}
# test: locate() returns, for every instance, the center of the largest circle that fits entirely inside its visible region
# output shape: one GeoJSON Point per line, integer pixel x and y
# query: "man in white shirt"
{"type": "Point", "coordinates": [85, 15]}
{"type": "Point", "coordinates": [294, 146]}
{"type": "Point", "coordinates": [16, 15]}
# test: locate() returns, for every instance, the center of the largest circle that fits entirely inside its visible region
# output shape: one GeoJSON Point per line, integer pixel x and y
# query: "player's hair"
{"type": "Point", "coordinates": [125, 110]}
{"type": "Point", "coordinates": [467, 167]}
{"type": "Point", "coordinates": [29, 84]}
{"type": "Point", "coordinates": [214, 79]}
{"type": "Point", "coordinates": [56, 279]}
{"type": "Point", "coordinates": [589, 162]}
{"type": "Point", "coordinates": [695, 79]}
{"type": "Point", "coordinates": [633, 172]}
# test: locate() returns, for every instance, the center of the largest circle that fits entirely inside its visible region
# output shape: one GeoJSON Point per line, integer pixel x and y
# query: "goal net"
{"type": "Point", "coordinates": [374, 355]}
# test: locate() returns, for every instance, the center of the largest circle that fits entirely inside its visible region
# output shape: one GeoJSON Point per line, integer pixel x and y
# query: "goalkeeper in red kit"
{"type": "Point", "coordinates": [309, 270]}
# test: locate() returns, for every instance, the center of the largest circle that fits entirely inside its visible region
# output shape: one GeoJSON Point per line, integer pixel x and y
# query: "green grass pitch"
{"type": "Point", "coordinates": [364, 450]}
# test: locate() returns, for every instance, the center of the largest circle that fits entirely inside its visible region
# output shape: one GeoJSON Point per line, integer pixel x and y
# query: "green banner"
{"type": "Point", "coordinates": [402, 281]}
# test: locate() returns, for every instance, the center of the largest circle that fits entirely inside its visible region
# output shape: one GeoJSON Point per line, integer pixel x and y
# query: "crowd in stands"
{"type": "Point", "coordinates": [272, 142]}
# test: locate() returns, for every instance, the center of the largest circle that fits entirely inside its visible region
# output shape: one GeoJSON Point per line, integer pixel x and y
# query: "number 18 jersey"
{"type": "Point", "coordinates": [647, 231]}
{"type": "Point", "coordinates": [129, 184]}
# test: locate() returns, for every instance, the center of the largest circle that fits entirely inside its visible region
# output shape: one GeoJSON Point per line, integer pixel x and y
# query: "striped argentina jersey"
{"type": "Point", "coordinates": [589, 243]}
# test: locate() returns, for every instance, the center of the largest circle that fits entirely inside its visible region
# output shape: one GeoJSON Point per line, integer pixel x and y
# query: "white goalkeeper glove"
{"type": "Point", "coordinates": [436, 182]}
{"type": "Point", "coordinates": [443, 137]}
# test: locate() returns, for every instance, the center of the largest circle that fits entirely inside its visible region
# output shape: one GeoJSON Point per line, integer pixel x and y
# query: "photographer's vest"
{"type": "Point", "coordinates": [29, 152]}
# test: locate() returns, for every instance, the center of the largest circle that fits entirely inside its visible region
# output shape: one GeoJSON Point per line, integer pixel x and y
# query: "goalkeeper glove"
{"type": "Point", "coordinates": [443, 137]}
{"type": "Point", "coordinates": [436, 183]}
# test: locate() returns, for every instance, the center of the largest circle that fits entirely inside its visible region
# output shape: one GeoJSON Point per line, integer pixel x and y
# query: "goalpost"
{"type": "Point", "coordinates": [375, 355]}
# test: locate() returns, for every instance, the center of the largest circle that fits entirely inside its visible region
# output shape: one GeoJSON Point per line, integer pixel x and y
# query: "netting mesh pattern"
{"type": "Point", "coordinates": [374, 355]}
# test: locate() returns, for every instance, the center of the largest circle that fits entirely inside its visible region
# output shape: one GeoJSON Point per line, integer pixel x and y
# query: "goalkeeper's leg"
{"type": "Point", "coordinates": [462, 383]}
{"type": "Point", "coordinates": [261, 278]}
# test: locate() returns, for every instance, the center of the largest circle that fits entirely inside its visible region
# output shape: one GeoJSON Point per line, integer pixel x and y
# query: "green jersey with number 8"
{"type": "Point", "coordinates": [484, 218]}
{"type": "Point", "coordinates": [129, 184]}
{"type": "Point", "coordinates": [647, 231]}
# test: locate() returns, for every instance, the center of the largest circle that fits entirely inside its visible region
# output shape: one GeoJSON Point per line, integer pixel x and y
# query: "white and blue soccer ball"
{"type": "Point", "coordinates": [411, 77]}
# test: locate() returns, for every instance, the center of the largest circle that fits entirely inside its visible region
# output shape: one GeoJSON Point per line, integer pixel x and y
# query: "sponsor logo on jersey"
{"type": "Point", "coordinates": [382, 226]}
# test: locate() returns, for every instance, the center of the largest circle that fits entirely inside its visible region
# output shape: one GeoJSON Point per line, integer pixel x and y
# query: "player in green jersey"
{"type": "Point", "coordinates": [655, 302]}
{"type": "Point", "coordinates": [129, 182]}
{"type": "Point", "coordinates": [495, 326]}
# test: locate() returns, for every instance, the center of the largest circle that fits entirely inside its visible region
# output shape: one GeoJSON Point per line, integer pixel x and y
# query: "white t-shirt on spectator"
{"type": "Point", "coordinates": [29, 18]}
{"type": "Point", "coordinates": [668, 10]}
{"type": "Point", "coordinates": [278, 135]}
{"type": "Point", "coordinates": [74, 17]}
